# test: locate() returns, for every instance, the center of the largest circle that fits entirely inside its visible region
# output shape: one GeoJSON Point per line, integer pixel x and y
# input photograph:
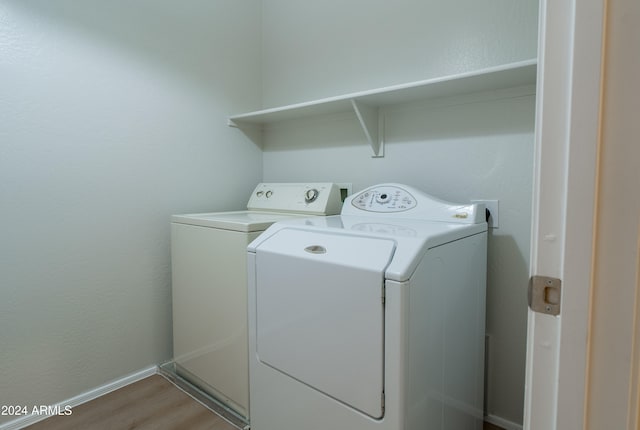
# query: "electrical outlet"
{"type": "Point", "coordinates": [346, 188]}
{"type": "Point", "coordinates": [494, 210]}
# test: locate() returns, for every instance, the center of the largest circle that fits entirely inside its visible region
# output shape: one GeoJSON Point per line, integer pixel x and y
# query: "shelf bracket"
{"type": "Point", "coordinates": [370, 121]}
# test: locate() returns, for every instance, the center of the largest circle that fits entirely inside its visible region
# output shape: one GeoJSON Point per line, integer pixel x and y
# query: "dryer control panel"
{"type": "Point", "coordinates": [384, 199]}
{"type": "Point", "coordinates": [403, 201]}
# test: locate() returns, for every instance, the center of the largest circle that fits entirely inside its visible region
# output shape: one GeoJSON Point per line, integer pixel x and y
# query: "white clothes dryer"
{"type": "Point", "coordinates": [370, 320]}
{"type": "Point", "coordinates": [208, 259]}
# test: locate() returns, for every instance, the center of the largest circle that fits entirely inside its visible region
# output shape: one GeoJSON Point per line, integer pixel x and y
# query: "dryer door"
{"type": "Point", "coordinates": [320, 314]}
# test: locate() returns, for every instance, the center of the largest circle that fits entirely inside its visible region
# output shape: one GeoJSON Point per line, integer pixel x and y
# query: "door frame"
{"type": "Point", "coordinates": [566, 146]}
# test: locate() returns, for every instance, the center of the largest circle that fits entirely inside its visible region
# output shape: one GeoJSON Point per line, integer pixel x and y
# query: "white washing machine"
{"type": "Point", "coordinates": [371, 320]}
{"type": "Point", "coordinates": [208, 260]}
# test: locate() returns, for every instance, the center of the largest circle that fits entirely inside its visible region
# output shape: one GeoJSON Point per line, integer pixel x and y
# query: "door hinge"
{"type": "Point", "coordinates": [384, 294]}
{"type": "Point", "coordinates": [545, 294]}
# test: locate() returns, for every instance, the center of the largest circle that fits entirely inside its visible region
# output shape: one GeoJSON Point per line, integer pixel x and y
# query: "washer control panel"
{"type": "Point", "coordinates": [318, 198]}
{"type": "Point", "coordinates": [384, 198]}
{"type": "Point", "coordinates": [402, 201]}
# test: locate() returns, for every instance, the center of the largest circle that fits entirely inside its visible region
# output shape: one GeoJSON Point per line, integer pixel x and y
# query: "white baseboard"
{"type": "Point", "coordinates": [27, 420]}
{"type": "Point", "coordinates": [500, 422]}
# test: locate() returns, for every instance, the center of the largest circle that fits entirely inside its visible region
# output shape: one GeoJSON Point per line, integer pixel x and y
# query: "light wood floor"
{"type": "Point", "coordinates": [152, 403]}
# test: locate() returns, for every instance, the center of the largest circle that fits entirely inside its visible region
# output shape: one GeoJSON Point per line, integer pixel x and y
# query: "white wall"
{"type": "Point", "coordinates": [112, 117]}
{"type": "Point", "coordinates": [458, 149]}
{"type": "Point", "coordinates": [315, 49]}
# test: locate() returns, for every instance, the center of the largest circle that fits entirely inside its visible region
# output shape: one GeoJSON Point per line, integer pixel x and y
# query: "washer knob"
{"type": "Point", "coordinates": [383, 198]}
{"type": "Point", "coordinates": [311, 195]}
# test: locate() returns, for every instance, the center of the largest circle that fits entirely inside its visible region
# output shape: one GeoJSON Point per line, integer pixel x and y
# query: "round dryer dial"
{"type": "Point", "coordinates": [384, 199]}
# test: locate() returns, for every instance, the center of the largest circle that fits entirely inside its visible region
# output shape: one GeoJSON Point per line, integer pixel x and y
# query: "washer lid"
{"type": "Point", "coordinates": [412, 237]}
{"type": "Point", "coordinates": [320, 318]}
{"type": "Point", "coordinates": [244, 221]}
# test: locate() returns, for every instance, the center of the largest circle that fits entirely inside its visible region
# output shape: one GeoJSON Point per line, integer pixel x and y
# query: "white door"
{"type": "Point", "coordinates": [567, 132]}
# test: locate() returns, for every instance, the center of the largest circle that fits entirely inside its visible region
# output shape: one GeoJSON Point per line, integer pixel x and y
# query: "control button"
{"type": "Point", "coordinates": [311, 195]}
{"type": "Point", "coordinates": [269, 193]}
{"type": "Point", "coordinates": [259, 193]}
{"type": "Point", "coordinates": [383, 198]}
